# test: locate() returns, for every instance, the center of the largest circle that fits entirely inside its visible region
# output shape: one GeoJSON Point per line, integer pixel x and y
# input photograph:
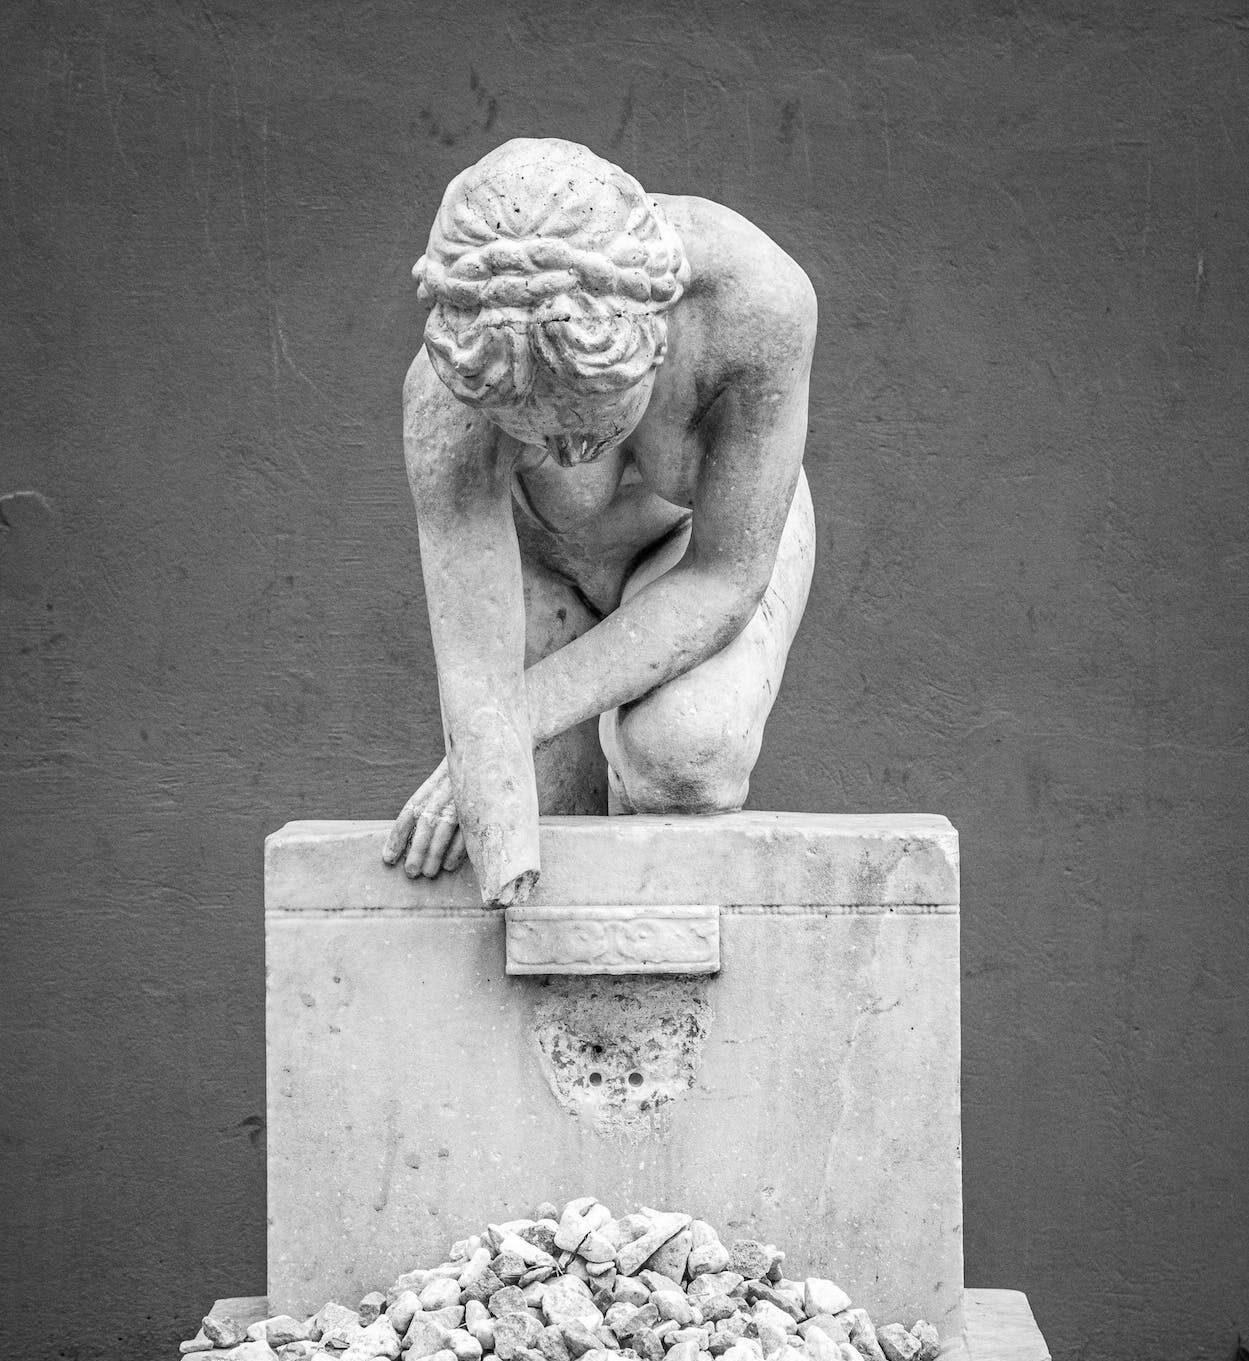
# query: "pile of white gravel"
{"type": "Point", "coordinates": [580, 1284]}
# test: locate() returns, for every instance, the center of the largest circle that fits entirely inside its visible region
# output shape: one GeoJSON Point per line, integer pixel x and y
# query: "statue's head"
{"type": "Point", "coordinates": [549, 272]}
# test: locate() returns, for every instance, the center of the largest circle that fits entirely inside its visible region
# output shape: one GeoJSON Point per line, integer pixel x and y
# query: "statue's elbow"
{"type": "Point", "coordinates": [743, 602]}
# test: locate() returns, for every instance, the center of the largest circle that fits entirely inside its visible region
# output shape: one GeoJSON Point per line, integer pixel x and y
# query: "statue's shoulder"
{"type": "Point", "coordinates": [441, 436]}
{"type": "Point", "coordinates": [742, 278]}
{"type": "Point", "coordinates": [423, 391]}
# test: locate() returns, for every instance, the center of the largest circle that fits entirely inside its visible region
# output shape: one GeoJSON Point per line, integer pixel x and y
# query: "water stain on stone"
{"type": "Point", "coordinates": [30, 543]}
{"type": "Point", "coordinates": [617, 1051]}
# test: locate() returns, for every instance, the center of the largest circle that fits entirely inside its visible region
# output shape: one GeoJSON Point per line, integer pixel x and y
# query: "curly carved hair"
{"type": "Point", "coordinates": [547, 266]}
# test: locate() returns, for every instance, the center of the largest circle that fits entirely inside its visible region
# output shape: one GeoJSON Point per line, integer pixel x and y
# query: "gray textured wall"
{"type": "Point", "coordinates": [1027, 227]}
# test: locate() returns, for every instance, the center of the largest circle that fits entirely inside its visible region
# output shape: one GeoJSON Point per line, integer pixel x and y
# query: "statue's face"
{"type": "Point", "coordinates": [576, 429]}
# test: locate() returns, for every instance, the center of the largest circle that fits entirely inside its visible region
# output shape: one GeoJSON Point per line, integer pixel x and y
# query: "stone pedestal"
{"type": "Point", "coordinates": [802, 1088]}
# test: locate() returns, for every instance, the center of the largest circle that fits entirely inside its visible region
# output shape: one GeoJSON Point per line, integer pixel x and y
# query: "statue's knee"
{"type": "Point", "coordinates": [667, 759]}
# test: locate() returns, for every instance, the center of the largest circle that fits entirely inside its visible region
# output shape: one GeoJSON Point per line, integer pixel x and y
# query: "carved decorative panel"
{"type": "Point", "coordinates": [613, 940]}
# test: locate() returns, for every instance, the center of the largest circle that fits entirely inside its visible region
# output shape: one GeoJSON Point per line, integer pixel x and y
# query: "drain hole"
{"type": "Point", "coordinates": [596, 1079]}
{"type": "Point", "coordinates": [635, 1079]}
{"type": "Point", "coordinates": [596, 1050]}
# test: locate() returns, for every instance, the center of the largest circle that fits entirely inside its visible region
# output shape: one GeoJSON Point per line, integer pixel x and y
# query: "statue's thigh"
{"type": "Point", "coordinates": [570, 769]}
{"type": "Point", "coordinates": [691, 744]}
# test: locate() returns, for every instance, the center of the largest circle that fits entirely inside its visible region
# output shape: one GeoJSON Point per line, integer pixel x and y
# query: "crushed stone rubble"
{"type": "Point", "coordinates": [580, 1284]}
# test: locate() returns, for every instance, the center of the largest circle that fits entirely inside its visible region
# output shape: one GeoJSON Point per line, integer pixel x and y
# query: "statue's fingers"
{"type": "Point", "coordinates": [439, 842]}
{"type": "Point", "coordinates": [426, 824]}
{"type": "Point", "coordinates": [456, 851]}
{"type": "Point", "coordinates": [400, 833]}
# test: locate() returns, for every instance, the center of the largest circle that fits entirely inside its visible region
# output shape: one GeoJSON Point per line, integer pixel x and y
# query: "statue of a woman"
{"type": "Point", "coordinates": [604, 435]}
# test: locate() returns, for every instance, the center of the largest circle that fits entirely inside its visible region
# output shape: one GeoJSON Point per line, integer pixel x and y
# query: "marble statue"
{"type": "Point", "coordinates": [604, 435]}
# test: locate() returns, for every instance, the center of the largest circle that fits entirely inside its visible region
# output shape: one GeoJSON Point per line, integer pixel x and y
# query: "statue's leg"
{"type": "Point", "coordinates": [691, 745]}
{"type": "Point", "coordinates": [570, 768]}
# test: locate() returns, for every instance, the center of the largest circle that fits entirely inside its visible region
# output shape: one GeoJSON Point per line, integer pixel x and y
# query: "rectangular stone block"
{"type": "Point", "coordinates": [807, 1094]}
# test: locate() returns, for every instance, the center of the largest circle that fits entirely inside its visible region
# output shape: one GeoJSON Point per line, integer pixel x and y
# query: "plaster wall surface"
{"type": "Point", "coordinates": [807, 1094]}
{"type": "Point", "coordinates": [1025, 225]}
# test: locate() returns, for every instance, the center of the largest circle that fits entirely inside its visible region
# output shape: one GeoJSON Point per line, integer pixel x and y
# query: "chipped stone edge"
{"type": "Point", "coordinates": [852, 862]}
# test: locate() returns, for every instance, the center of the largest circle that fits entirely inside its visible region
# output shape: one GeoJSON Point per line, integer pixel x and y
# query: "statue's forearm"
{"type": "Point", "coordinates": [490, 755]}
{"type": "Point", "coordinates": [471, 568]}
{"type": "Point", "coordinates": [665, 630]}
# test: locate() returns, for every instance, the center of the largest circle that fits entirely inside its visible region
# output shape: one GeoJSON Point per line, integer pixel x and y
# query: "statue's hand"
{"type": "Point", "coordinates": [432, 826]}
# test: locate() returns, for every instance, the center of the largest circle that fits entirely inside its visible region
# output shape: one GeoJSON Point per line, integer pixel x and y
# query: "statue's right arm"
{"type": "Point", "coordinates": [461, 484]}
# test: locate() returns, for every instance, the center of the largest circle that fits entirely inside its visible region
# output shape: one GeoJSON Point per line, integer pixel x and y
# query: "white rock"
{"type": "Point", "coordinates": [280, 1330]}
{"type": "Point", "coordinates": [859, 1325]}
{"type": "Point", "coordinates": [465, 1346]}
{"type": "Point", "coordinates": [484, 1333]}
{"type": "Point", "coordinates": [635, 1254]}
{"type": "Point", "coordinates": [403, 1310]}
{"type": "Point", "coordinates": [515, 1333]}
{"type": "Point", "coordinates": [745, 1350]}
{"type": "Point", "coordinates": [671, 1258]}
{"type": "Point", "coordinates": [764, 1311]}
{"type": "Point", "coordinates": [772, 1337]}
{"type": "Point", "coordinates": [300, 1351]}
{"type": "Point", "coordinates": [928, 1338]}
{"type": "Point", "coordinates": [248, 1351]}
{"type": "Point", "coordinates": [410, 1280]}
{"type": "Point", "coordinates": [658, 1280]}
{"type": "Point", "coordinates": [371, 1307]}
{"type": "Point", "coordinates": [631, 1290]}
{"type": "Point", "coordinates": [509, 1300]}
{"type": "Point", "coordinates": [497, 1231]}
{"type": "Point", "coordinates": [338, 1325]}
{"type": "Point", "coordinates": [201, 1342]}
{"type": "Point", "coordinates": [378, 1339]}
{"type": "Point", "coordinates": [707, 1257]}
{"type": "Point", "coordinates": [728, 1281]}
{"type": "Point", "coordinates": [475, 1267]}
{"type": "Point", "coordinates": [222, 1330]}
{"type": "Point", "coordinates": [527, 1252]}
{"type": "Point", "coordinates": [829, 1324]}
{"type": "Point", "coordinates": [897, 1343]}
{"type": "Point", "coordinates": [425, 1337]}
{"type": "Point", "coordinates": [794, 1291]}
{"type": "Point", "coordinates": [567, 1300]}
{"type": "Point", "coordinates": [597, 1247]}
{"type": "Point", "coordinates": [820, 1296]}
{"type": "Point", "coordinates": [820, 1347]}
{"type": "Point", "coordinates": [578, 1220]}
{"type": "Point", "coordinates": [683, 1351]}
{"type": "Point", "coordinates": [673, 1304]}
{"type": "Point", "coordinates": [440, 1293]}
